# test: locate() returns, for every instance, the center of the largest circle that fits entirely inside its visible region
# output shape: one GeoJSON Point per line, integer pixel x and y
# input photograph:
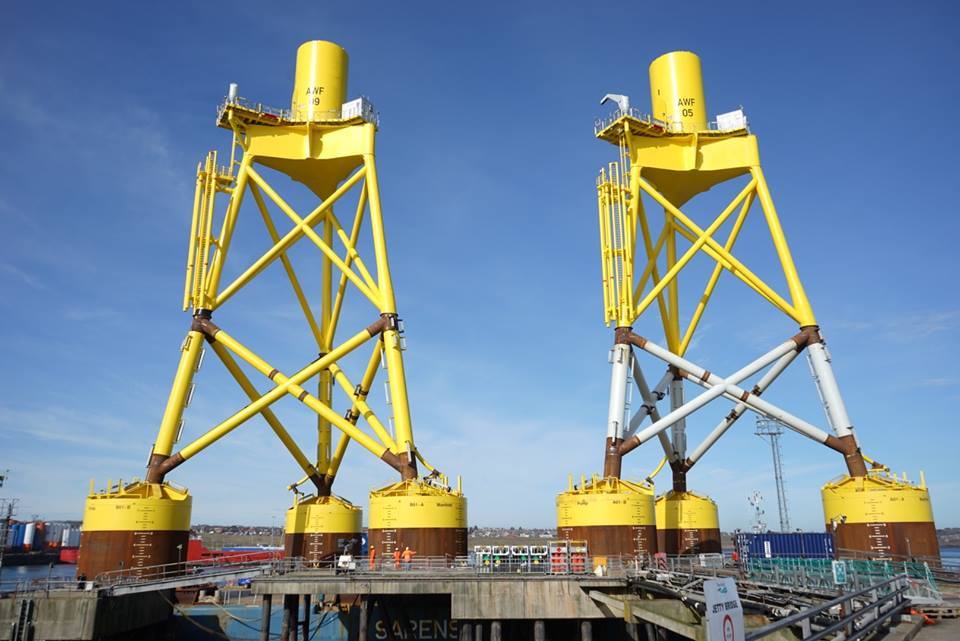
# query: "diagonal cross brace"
{"type": "Point", "coordinates": [718, 385]}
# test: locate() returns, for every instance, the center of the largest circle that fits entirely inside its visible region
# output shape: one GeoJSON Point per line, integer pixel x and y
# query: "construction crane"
{"type": "Point", "coordinates": [771, 431]}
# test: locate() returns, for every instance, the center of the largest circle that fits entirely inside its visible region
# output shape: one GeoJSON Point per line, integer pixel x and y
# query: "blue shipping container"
{"type": "Point", "coordinates": [778, 545]}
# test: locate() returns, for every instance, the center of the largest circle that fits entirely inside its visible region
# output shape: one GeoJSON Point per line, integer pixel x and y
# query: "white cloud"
{"type": "Point", "coordinates": [23, 276]}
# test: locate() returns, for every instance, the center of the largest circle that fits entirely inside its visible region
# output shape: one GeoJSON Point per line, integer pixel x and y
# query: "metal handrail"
{"type": "Point", "coordinates": [599, 124]}
{"type": "Point", "coordinates": [148, 573]}
{"type": "Point", "coordinates": [613, 566]}
{"type": "Point", "coordinates": [900, 587]}
{"type": "Point", "coordinates": [369, 114]}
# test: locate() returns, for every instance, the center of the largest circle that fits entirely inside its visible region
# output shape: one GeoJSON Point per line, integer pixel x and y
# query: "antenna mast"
{"type": "Point", "coordinates": [770, 429]}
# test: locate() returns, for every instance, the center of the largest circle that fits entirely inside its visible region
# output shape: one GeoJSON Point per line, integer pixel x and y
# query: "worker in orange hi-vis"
{"type": "Point", "coordinates": [407, 557]}
{"type": "Point", "coordinates": [396, 558]}
{"type": "Point", "coordinates": [373, 558]}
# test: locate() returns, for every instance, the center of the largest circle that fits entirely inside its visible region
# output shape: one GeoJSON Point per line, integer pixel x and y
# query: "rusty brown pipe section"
{"type": "Point", "coordinates": [612, 457]}
{"type": "Point", "coordinates": [679, 470]}
{"type": "Point", "coordinates": [612, 460]}
{"type": "Point", "coordinates": [847, 445]}
{"type": "Point", "coordinates": [401, 463]}
{"type": "Point", "coordinates": [160, 465]}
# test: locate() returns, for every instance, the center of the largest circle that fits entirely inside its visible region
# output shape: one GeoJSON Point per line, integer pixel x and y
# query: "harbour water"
{"type": "Point", "coordinates": [18, 573]}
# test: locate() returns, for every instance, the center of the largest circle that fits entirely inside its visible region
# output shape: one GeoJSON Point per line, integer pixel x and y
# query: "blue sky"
{"type": "Point", "coordinates": [487, 163]}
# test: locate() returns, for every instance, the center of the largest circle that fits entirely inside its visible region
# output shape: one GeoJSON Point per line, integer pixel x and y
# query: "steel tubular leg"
{"type": "Point", "coordinates": [586, 631]}
{"type": "Point", "coordinates": [266, 606]}
{"type": "Point", "coordinates": [829, 390]}
{"type": "Point", "coordinates": [294, 605]}
{"type": "Point", "coordinates": [539, 630]}
{"type": "Point", "coordinates": [649, 407]}
{"type": "Point", "coordinates": [617, 409]}
{"type": "Point", "coordinates": [364, 619]}
{"type": "Point", "coordinates": [306, 617]}
{"type": "Point", "coordinates": [618, 391]}
{"type": "Point", "coordinates": [179, 391]}
{"type": "Point", "coordinates": [285, 620]}
{"type": "Point", "coordinates": [651, 632]}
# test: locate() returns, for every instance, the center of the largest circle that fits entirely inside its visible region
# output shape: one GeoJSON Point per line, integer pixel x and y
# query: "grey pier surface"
{"type": "Point", "coordinates": [82, 615]}
{"type": "Point", "coordinates": [475, 597]}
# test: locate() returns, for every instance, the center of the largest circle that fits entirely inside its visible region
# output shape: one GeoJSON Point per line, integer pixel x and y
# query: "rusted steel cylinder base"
{"type": "Point", "coordinates": [613, 540]}
{"type": "Point", "coordinates": [136, 552]}
{"type": "Point", "coordinates": [133, 527]}
{"type": "Point", "coordinates": [615, 517]}
{"type": "Point", "coordinates": [435, 541]}
{"type": "Point", "coordinates": [320, 528]}
{"type": "Point", "coordinates": [431, 520]}
{"type": "Point", "coordinates": [687, 523]}
{"type": "Point", "coordinates": [316, 547]}
{"type": "Point", "coordinates": [896, 541]}
{"type": "Point", "coordinates": [882, 516]}
{"type": "Point", "coordinates": [689, 541]}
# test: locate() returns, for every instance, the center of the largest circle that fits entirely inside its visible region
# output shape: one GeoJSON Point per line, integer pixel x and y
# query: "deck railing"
{"type": "Point", "coordinates": [863, 611]}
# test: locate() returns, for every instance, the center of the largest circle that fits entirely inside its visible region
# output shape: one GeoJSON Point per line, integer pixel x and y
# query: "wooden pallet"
{"type": "Point", "coordinates": [940, 611]}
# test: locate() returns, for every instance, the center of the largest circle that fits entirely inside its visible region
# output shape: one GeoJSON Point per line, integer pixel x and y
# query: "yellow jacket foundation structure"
{"type": "Point", "coordinates": [326, 144]}
{"type": "Point", "coordinates": [665, 159]}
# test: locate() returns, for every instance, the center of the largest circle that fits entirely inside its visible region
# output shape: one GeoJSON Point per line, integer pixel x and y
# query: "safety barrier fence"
{"type": "Point", "coordinates": [214, 569]}
{"type": "Point", "coordinates": [42, 585]}
{"type": "Point", "coordinates": [946, 570]}
{"type": "Point", "coordinates": [440, 565]}
{"type": "Point", "coordinates": [482, 565]}
{"type": "Point", "coordinates": [862, 612]}
{"type": "Point", "coordinates": [817, 574]}
{"type": "Point", "coordinates": [186, 568]}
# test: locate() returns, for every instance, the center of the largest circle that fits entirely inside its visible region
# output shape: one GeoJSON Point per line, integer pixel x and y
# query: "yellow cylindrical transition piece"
{"type": "Point", "coordinates": [134, 527]}
{"type": "Point", "coordinates": [676, 91]}
{"type": "Point", "coordinates": [687, 523]}
{"type": "Point", "coordinates": [615, 517]}
{"type": "Point", "coordinates": [321, 527]}
{"type": "Point", "coordinates": [881, 515]}
{"type": "Point", "coordinates": [320, 84]}
{"type": "Point", "coordinates": [430, 520]}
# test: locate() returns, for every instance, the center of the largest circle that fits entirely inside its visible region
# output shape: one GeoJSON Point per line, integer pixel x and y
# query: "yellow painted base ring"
{"type": "Point", "coordinates": [603, 502]}
{"type": "Point", "coordinates": [875, 498]}
{"type": "Point", "coordinates": [138, 507]}
{"type": "Point", "coordinates": [323, 514]}
{"type": "Point", "coordinates": [686, 511]}
{"type": "Point", "coordinates": [415, 504]}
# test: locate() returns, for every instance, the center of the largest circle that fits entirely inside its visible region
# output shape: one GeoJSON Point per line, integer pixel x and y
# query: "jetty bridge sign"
{"type": "Point", "coordinates": [724, 610]}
